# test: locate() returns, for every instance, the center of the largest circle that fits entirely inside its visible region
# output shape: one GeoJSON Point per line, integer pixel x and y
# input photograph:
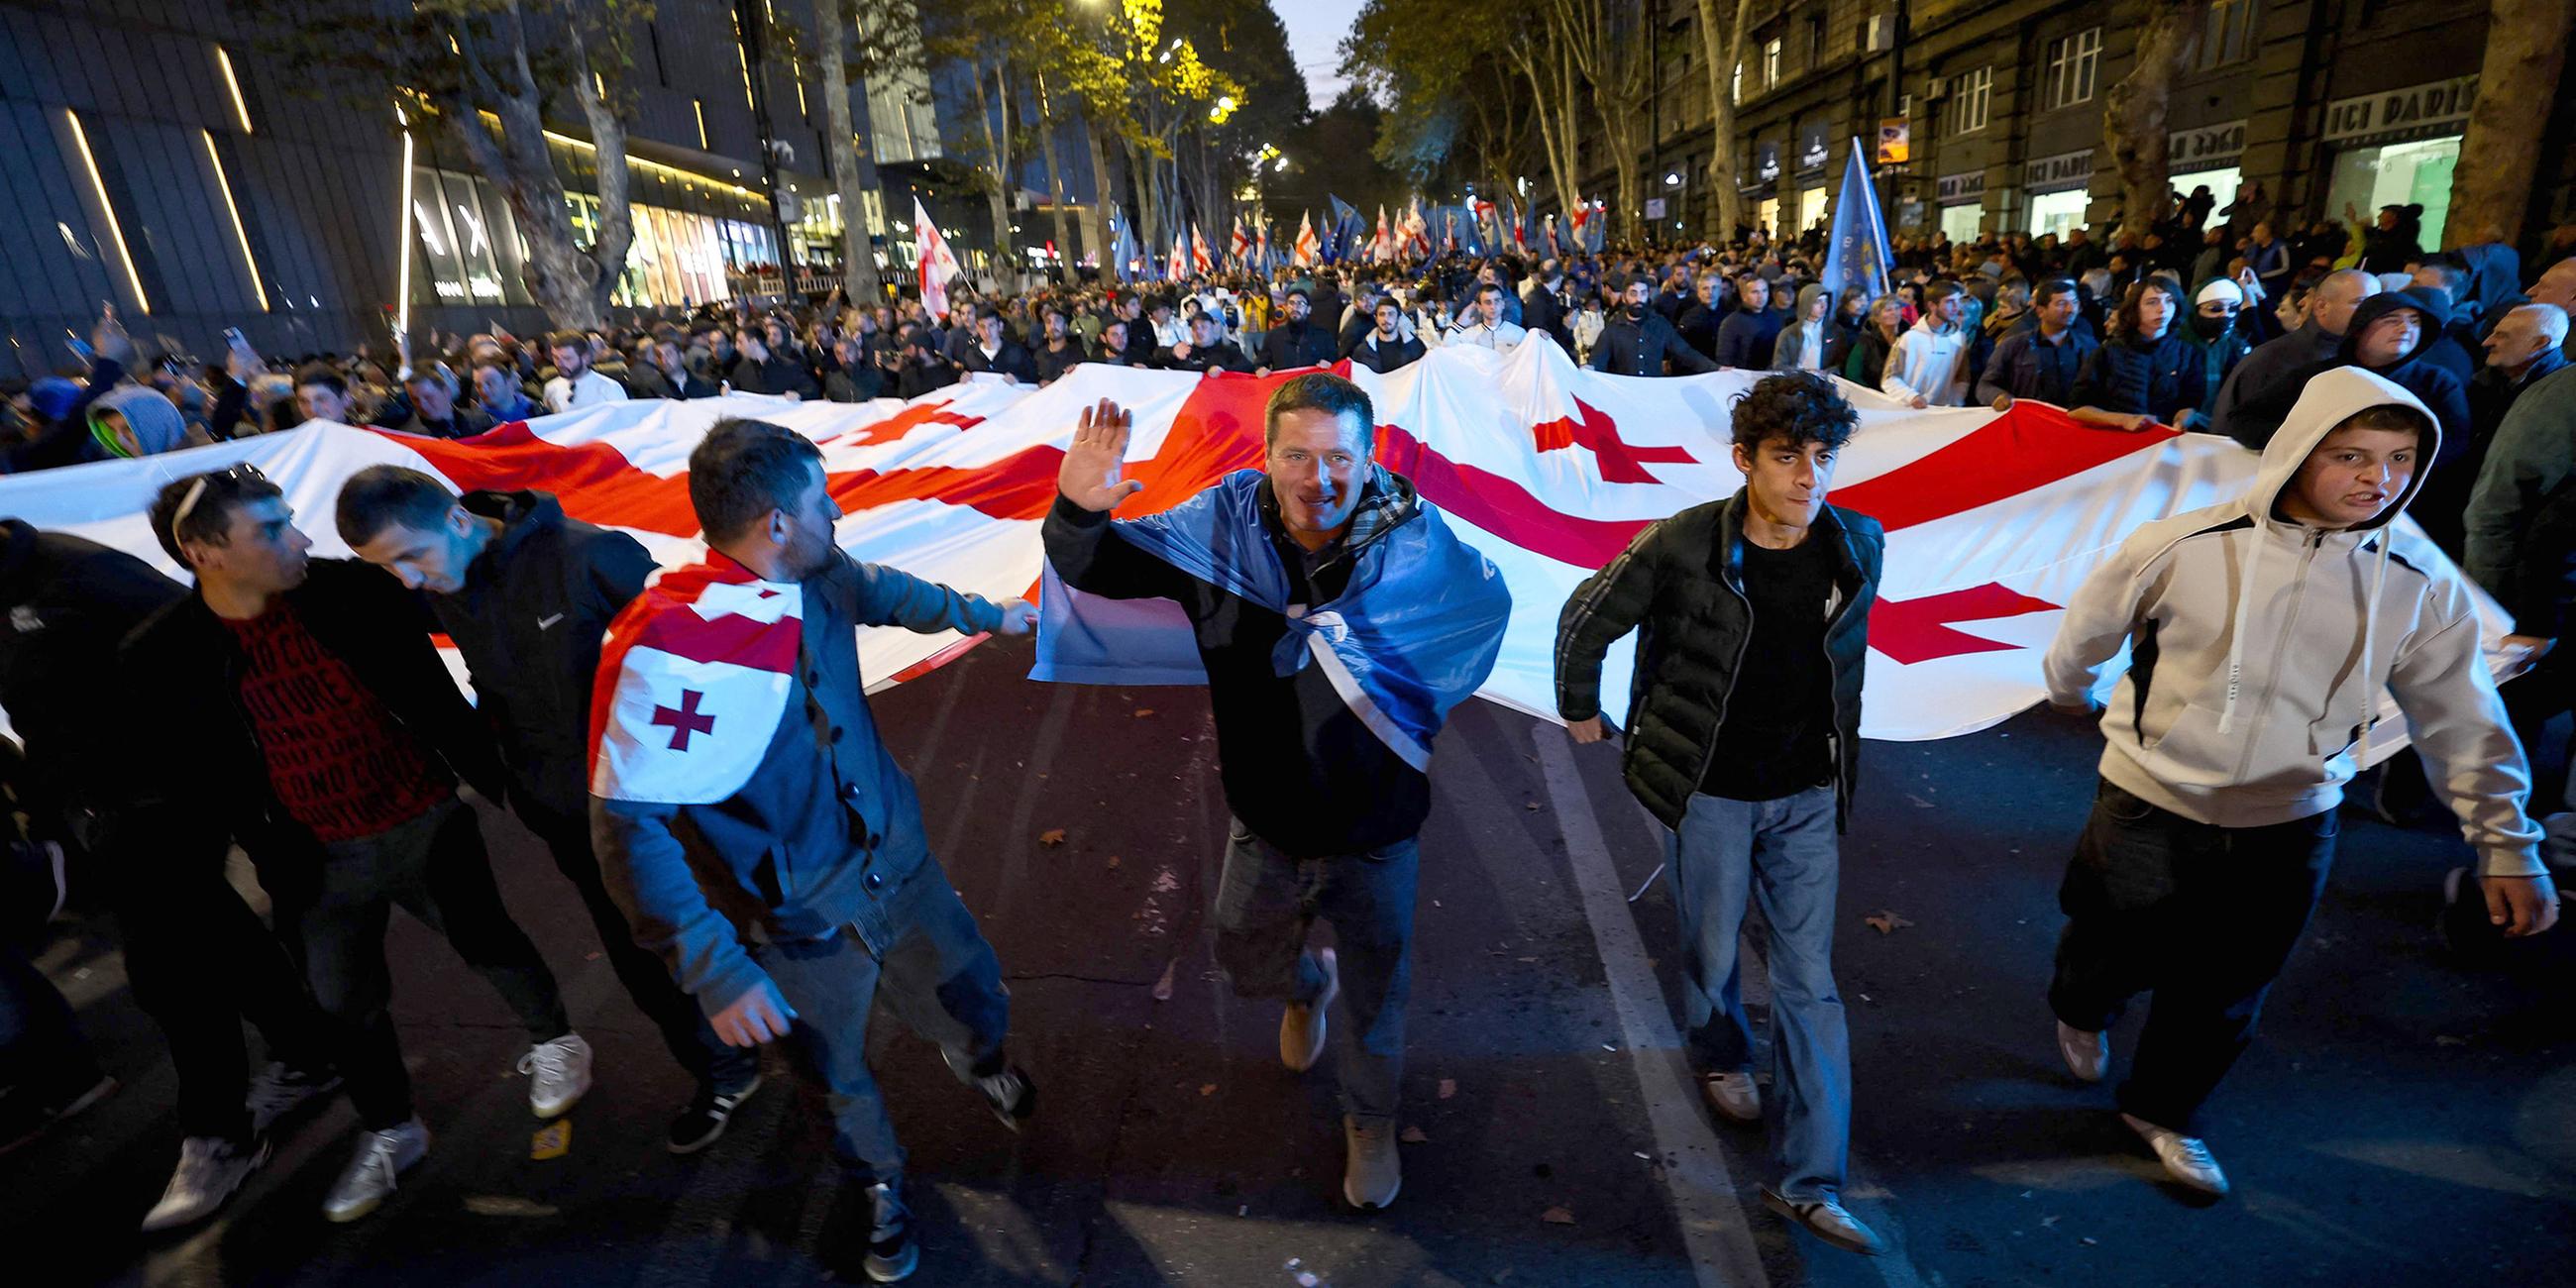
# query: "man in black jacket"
{"type": "Point", "coordinates": [1753, 626]}
{"type": "Point", "coordinates": [198, 960]}
{"type": "Point", "coordinates": [1299, 341]}
{"type": "Point", "coordinates": [1544, 305]}
{"type": "Point", "coordinates": [1386, 347]}
{"type": "Point", "coordinates": [527, 595]}
{"type": "Point", "coordinates": [1325, 810]}
{"type": "Point", "coordinates": [1204, 351]}
{"type": "Point", "coordinates": [1639, 342]}
{"type": "Point", "coordinates": [768, 367]}
{"type": "Point", "coordinates": [435, 412]}
{"type": "Point", "coordinates": [995, 351]}
{"type": "Point", "coordinates": [327, 737]}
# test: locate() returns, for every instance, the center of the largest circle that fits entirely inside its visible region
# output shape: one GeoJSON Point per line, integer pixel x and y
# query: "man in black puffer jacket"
{"type": "Point", "coordinates": [1743, 733]}
{"type": "Point", "coordinates": [527, 596]}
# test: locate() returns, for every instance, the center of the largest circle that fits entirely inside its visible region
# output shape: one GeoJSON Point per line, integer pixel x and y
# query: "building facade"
{"type": "Point", "coordinates": [155, 158]}
{"type": "Point", "coordinates": [2299, 106]}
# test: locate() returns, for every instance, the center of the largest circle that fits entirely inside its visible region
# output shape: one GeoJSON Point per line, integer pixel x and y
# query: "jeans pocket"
{"type": "Point", "coordinates": [2120, 804]}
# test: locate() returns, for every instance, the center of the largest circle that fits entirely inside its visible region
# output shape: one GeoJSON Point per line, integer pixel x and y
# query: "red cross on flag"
{"type": "Point", "coordinates": [691, 683]}
{"type": "Point", "coordinates": [1304, 253]}
{"type": "Point", "coordinates": [937, 264]}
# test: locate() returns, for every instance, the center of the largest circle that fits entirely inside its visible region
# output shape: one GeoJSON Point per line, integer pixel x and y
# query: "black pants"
{"type": "Point", "coordinates": [684, 1028]}
{"type": "Point", "coordinates": [435, 866]}
{"type": "Point", "coordinates": [2202, 916]}
{"type": "Point", "coordinates": [200, 963]}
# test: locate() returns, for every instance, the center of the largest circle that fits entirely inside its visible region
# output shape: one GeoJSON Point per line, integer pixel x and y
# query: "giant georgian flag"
{"type": "Point", "coordinates": [1992, 518]}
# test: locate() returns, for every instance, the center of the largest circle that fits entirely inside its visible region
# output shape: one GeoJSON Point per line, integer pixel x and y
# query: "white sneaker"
{"type": "Point", "coordinates": [561, 1070]}
{"type": "Point", "coordinates": [1733, 1096]}
{"type": "Point", "coordinates": [1829, 1220]}
{"type": "Point", "coordinates": [2086, 1054]}
{"type": "Point", "coordinates": [211, 1170]}
{"type": "Point", "coordinates": [381, 1157]}
{"type": "Point", "coordinates": [2186, 1158]}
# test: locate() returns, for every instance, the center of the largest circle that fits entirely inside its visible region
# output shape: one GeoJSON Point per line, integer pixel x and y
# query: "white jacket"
{"type": "Point", "coordinates": [2260, 646]}
{"type": "Point", "coordinates": [1928, 362]}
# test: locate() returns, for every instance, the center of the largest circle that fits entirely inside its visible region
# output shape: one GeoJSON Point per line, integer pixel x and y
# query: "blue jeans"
{"type": "Point", "coordinates": [938, 975]}
{"type": "Point", "coordinates": [1782, 855]}
{"type": "Point", "coordinates": [1265, 903]}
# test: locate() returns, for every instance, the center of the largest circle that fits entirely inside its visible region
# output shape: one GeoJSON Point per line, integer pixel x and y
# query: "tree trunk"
{"type": "Point", "coordinates": [1055, 179]}
{"type": "Point", "coordinates": [858, 256]}
{"type": "Point", "coordinates": [513, 157]}
{"type": "Point", "coordinates": [2133, 114]}
{"type": "Point", "coordinates": [1555, 129]}
{"type": "Point", "coordinates": [2491, 187]}
{"type": "Point", "coordinates": [1724, 45]}
{"type": "Point", "coordinates": [1149, 222]}
{"type": "Point", "coordinates": [608, 135]}
{"type": "Point", "coordinates": [1104, 243]}
{"type": "Point", "coordinates": [997, 177]}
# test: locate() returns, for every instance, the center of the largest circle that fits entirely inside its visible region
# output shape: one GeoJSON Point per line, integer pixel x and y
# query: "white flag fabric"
{"type": "Point", "coordinates": [937, 264]}
{"type": "Point", "coordinates": [1548, 470]}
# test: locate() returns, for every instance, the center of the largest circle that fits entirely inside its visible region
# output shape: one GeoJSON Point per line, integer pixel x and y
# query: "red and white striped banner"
{"type": "Point", "coordinates": [1992, 518]}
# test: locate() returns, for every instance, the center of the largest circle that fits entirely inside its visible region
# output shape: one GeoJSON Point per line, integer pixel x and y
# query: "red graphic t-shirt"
{"type": "Point", "coordinates": [337, 759]}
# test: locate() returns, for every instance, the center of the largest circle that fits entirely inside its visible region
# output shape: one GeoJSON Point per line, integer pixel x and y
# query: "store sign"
{"type": "Point", "coordinates": [1811, 150]}
{"type": "Point", "coordinates": [1895, 141]}
{"type": "Point", "coordinates": [2208, 148]}
{"type": "Point", "coordinates": [2421, 111]}
{"type": "Point", "coordinates": [1766, 165]}
{"type": "Point", "coordinates": [1963, 188]}
{"type": "Point", "coordinates": [2061, 173]}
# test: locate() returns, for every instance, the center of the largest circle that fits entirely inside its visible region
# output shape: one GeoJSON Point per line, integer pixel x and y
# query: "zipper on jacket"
{"type": "Point", "coordinates": [2315, 541]}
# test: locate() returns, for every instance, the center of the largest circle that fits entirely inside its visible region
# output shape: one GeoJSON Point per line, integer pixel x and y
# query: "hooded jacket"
{"type": "Point", "coordinates": [2259, 646]}
{"type": "Point", "coordinates": [2254, 423]}
{"type": "Point", "coordinates": [156, 426]}
{"type": "Point", "coordinates": [1929, 362]}
{"type": "Point", "coordinates": [1830, 340]}
{"type": "Point", "coordinates": [2269, 374]}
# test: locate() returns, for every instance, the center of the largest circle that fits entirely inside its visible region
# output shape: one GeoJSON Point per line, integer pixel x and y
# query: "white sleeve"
{"type": "Point", "coordinates": [2459, 724]}
{"type": "Point", "coordinates": [2099, 619]}
{"type": "Point", "coordinates": [1892, 380]}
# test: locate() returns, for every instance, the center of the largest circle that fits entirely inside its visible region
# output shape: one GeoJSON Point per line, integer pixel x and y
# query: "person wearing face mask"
{"type": "Point", "coordinates": [2146, 374]}
{"type": "Point", "coordinates": [2262, 632]}
{"type": "Point", "coordinates": [2218, 330]}
{"type": "Point", "coordinates": [1305, 584]}
{"type": "Point", "coordinates": [2266, 374]}
{"type": "Point", "coordinates": [1637, 341]}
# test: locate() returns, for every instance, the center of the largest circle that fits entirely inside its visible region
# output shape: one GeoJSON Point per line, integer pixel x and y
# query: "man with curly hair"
{"type": "Point", "coordinates": [1742, 736]}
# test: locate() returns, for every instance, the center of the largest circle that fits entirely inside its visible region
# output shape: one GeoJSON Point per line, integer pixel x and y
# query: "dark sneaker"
{"type": "Point", "coordinates": [1012, 1094]}
{"type": "Point", "coordinates": [1827, 1220]}
{"type": "Point", "coordinates": [893, 1253]}
{"type": "Point", "coordinates": [279, 1091]}
{"type": "Point", "coordinates": [28, 1113]}
{"type": "Point", "coordinates": [698, 1125]}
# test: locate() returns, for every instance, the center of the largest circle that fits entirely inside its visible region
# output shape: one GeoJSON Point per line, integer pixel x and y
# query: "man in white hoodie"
{"type": "Point", "coordinates": [2262, 631]}
{"type": "Point", "coordinates": [1929, 365]}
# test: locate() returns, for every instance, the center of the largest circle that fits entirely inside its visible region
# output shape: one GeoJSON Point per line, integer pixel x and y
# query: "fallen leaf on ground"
{"type": "Point", "coordinates": [1113, 863]}
{"type": "Point", "coordinates": [1885, 922]}
{"type": "Point", "coordinates": [1051, 836]}
{"type": "Point", "coordinates": [1557, 1216]}
{"type": "Point", "coordinates": [1142, 712]}
{"type": "Point", "coordinates": [1414, 1136]}
{"type": "Point", "coordinates": [554, 1140]}
{"type": "Point", "coordinates": [1448, 1088]}
{"type": "Point", "coordinates": [1530, 804]}
{"type": "Point", "coordinates": [1207, 1088]}
{"type": "Point", "coordinates": [1163, 986]}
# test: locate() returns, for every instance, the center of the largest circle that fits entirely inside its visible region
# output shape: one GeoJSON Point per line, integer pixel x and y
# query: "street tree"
{"type": "Point", "coordinates": [490, 75]}
{"type": "Point", "coordinates": [1721, 31]}
{"type": "Point", "coordinates": [2526, 55]}
{"type": "Point", "coordinates": [2135, 111]}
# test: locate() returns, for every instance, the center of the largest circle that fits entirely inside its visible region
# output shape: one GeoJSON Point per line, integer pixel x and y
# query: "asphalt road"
{"type": "Point", "coordinates": [2403, 1119]}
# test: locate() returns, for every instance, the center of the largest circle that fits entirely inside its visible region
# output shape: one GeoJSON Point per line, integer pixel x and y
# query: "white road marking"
{"type": "Point", "coordinates": [1704, 1195]}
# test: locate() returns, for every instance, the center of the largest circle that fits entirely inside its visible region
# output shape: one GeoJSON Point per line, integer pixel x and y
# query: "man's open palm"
{"type": "Point", "coordinates": [1090, 477]}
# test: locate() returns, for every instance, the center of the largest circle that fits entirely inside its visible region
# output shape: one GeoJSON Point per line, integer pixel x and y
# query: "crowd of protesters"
{"type": "Point", "coordinates": [2353, 359]}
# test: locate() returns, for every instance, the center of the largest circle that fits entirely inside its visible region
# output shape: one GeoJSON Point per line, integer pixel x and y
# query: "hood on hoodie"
{"type": "Point", "coordinates": [2428, 324]}
{"type": "Point", "coordinates": [1806, 296]}
{"type": "Point", "coordinates": [2331, 398]}
{"type": "Point", "coordinates": [155, 425]}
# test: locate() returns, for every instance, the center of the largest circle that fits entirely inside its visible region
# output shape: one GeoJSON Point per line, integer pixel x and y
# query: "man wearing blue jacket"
{"type": "Point", "coordinates": [739, 792]}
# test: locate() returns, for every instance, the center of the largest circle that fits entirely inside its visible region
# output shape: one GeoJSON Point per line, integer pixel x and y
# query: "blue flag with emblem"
{"type": "Point", "coordinates": [1858, 255]}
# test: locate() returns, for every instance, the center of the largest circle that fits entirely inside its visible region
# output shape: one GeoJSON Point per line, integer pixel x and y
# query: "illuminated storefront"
{"type": "Point", "coordinates": [2398, 148]}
